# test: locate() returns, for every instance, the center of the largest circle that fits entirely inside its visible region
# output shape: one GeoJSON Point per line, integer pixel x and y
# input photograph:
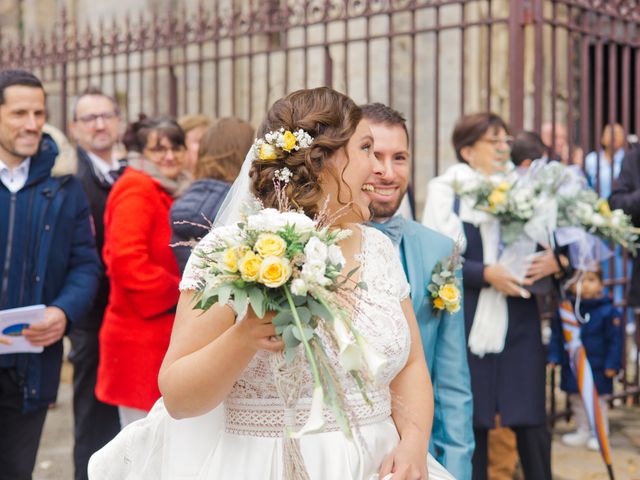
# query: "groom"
{"type": "Point", "coordinates": [420, 249]}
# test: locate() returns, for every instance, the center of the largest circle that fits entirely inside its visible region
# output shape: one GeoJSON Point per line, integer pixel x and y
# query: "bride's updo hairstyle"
{"type": "Point", "coordinates": [331, 119]}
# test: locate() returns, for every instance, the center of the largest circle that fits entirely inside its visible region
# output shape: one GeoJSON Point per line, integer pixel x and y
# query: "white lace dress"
{"type": "Point", "coordinates": [243, 438]}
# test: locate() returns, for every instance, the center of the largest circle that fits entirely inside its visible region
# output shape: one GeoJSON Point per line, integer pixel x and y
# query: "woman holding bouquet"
{"type": "Point", "coordinates": [322, 162]}
{"type": "Point", "coordinates": [506, 356]}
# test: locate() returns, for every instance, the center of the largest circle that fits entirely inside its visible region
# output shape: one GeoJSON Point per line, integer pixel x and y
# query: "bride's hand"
{"type": "Point", "coordinates": [405, 462]}
{"type": "Point", "coordinates": [260, 333]}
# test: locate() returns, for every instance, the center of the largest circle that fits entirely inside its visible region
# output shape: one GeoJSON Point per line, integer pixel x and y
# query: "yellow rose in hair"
{"type": "Point", "coordinates": [274, 271]}
{"type": "Point", "coordinates": [438, 303]}
{"type": "Point", "coordinates": [289, 140]}
{"type": "Point", "coordinates": [269, 244]}
{"type": "Point", "coordinates": [449, 293]}
{"type": "Point", "coordinates": [250, 267]}
{"type": "Point", "coordinates": [268, 152]}
{"type": "Point", "coordinates": [497, 198]}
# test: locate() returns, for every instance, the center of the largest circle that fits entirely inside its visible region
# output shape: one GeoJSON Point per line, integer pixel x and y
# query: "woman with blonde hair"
{"type": "Point", "coordinates": [222, 150]}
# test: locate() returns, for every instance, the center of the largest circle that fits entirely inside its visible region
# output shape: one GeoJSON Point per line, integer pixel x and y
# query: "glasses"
{"type": "Point", "coordinates": [164, 150]}
{"type": "Point", "coordinates": [92, 118]}
{"type": "Point", "coordinates": [495, 141]}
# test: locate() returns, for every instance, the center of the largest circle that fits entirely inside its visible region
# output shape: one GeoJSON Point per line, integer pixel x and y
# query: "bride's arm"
{"type": "Point", "coordinates": [412, 409]}
{"type": "Point", "coordinates": [207, 354]}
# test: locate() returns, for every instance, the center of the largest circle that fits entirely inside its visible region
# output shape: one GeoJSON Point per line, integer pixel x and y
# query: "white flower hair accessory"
{"type": "Point", "coordinates": [283, 175]}
{"type": "Point", "coordinates": [274, 144]}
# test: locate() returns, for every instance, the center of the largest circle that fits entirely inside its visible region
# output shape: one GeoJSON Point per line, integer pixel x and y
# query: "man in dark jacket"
{"type": "Point", "coordinates": [48, 256]}
{"type": "Point", "coordinates": [95, 128]}
{"type": "Point", "coordinates": [626, 195]}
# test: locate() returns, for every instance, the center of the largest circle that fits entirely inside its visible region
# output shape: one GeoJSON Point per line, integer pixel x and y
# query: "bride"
{"type": "Point", "coordinates": [216, 375]}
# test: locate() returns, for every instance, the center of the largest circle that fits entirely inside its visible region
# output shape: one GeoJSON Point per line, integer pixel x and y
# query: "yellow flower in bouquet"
{"type": "Point", "coordinates": [274, 272]}
{"type": "Point", "coordinates": [269, 244]}
{"type": "Point", "coordinates": [438, 303]}
{"type": "Point", "coordinates": [250, 266]}
{"type": "Point", "coordinates": [504, 187]}
{"type": "Point", "coordinates": [289, 141]}
{"type": "Point", "coordinates": [497, 198]}
{"type": "Point", "coordinates": [604, 208]}
{"type": "Point", "coordinates": [230, 260]}
{"type": "Point", "coordinates": [268, 152]}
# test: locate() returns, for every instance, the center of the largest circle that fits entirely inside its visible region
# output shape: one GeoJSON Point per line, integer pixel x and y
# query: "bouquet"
{"type": "Point", "coordinates": [503, 198]}
{"type": "Point", "coordinates": [281, 260]}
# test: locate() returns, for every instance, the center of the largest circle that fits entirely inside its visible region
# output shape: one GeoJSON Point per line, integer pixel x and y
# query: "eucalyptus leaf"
{"type": "Point", "coordinates": [240, 299]}
{"type": "Point", "coordinates": [285, 317]}
{"type": "Point", "coordinates": [289, 338]}
{"type": "Point", "coordinates": [318, 309]}
{"type": "Point", "coordinates": [256, 297]}
{"type": "Point", "coordinates": [362, 286]}
{"type": "Point", "coordinates": [224, 293]}
{"type": "Point", "coordinates": [306, 332]}
{"type": "Point", "coordinates": [305, 314]}
{"type": "Point", "coordinates": [290, 355]}
{"type": "Point", "coordinates": [299, 300]}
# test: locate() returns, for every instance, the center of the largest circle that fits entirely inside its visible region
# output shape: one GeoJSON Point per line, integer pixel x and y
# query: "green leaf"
{"type": "Point", "coordinates": [289, 337]}
{"type": "Point", "coordinates": [290, 355]}
{"type": "Point", "coordinates": [280, 329]}
{"type": "Point", "coordinates": [305, 314]}
{"type": "Point", "coordinates": [240, 299]}
{"type": "Point", "coordinates": [362, 286]}
{"type": "Point", "coordinates": [307, 332]}
{"type": "Point", "coordinates": [224, 293]}
{"type": "Point", "coordinates": [317, 309]}
{"type": "Point", "coordinates": [350, 274]}
{"type": "Point", "coordinates": [256, 298]}
{"type": "Point", "coordinates": [299, 301]}
{"type": "Point", "coordinates": [285, 317]}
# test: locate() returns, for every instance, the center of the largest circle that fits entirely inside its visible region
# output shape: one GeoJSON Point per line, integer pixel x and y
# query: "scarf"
{"type": "Point", "coordinates": [173, 186]}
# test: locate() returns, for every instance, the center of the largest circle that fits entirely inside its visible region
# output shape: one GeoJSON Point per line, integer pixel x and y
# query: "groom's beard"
{"type": "Point", "coordinates": [384, 210]}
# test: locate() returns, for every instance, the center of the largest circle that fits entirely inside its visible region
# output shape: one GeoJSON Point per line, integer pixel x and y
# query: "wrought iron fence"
{"type": "Point", "coordinates": [572, 63]}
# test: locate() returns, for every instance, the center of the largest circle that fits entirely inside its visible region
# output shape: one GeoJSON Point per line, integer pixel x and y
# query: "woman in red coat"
{"type": "Point", "coordinates": [142, 270]}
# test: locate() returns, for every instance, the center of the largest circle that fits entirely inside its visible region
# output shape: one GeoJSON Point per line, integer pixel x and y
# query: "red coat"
{"type": "Point", "coordinates": [144, 279]}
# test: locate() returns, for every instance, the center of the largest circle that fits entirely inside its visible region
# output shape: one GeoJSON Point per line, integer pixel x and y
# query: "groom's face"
{"type": "Point", "coordinates": [392, 150]}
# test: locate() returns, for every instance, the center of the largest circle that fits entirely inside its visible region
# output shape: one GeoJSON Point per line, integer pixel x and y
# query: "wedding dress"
{"type": "Point", "coordinates": [242, 439]}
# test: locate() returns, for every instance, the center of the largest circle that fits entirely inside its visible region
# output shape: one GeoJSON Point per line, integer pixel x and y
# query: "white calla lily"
{"type": "Point", "coordinates": [315, 422]}
{"type": "Point", "coordinates": [350, 357]}
{"type": "Point", "coordinates": [375, 362]}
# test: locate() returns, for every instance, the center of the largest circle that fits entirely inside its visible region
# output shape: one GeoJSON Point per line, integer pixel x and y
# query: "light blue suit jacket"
{"type": "Point", "coordinates": [444, 343]}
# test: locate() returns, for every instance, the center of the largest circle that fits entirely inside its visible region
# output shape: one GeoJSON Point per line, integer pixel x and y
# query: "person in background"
{"type": "Point", "coordinates": [626, 196]}
{"type": "Point", "coordinates": [95, 128]}
{"type": "Point", "coordinates": [142, 270]}
{"type": "Point", "coordinates": [194, 127]}
{"type": "Point", "coordinates": [602, 335]}
{"type": "Point", "coordinates": [603, 167]}
{"type": "Point", "coordinates": [48, 255]}
{"type": "Point", "coordinates": [509, 382]}
{"type": "Point", "coordinates": [526, 147]}
{"type": "Point", "coordinates": [558, 150]}
{"type": "Point", "coordinates": [420, 249]}
{"type": "Point", "coordinates": [222, 151]}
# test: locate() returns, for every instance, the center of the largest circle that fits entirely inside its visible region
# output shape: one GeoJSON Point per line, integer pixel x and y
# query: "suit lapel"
{"type": "Point", "coordinates": [414, 263]}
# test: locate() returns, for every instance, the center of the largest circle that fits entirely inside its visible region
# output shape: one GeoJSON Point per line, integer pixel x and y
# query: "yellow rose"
{"type": "Point", "coordinates": [504, 187]}
{"type": "Point", "coordinates": [289, 140]}
{"type": "Point", "coordinates": [274, 271]}
{"type": "Point", "coordinates": [438, 303]}
{"type": "Point", "coordinates": [496, 198]}
{"type": "Point", "coordinates": [268, 152]}
{"type": "Point", "coordinates": [250, 267]}
{"type": "Point", "coordinates": [453, 308]}
{"type": "Point", "coordinates": [270, 245]}
{"type": "Point", "coordinates": [604, 209]}
{"type": "Point", "coordinates": [230, 260]}
{"type": "Point", "coordinates": [449, 293]}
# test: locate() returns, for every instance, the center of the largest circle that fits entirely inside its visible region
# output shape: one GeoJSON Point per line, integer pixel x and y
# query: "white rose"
{"type": "Point", "coordinates": [335, 256]}
{"type": "Point", "coordinates": [271, 220]}
{"type": "Point", "coordinates": [597, 220]}
{"type": "Point", "coordinates": [316, 250]}
{"type": "Point", "coordinates": [313, 273]}
{"type": "Point", "coordinates": [299, 288]}
{"type": "Point", "coordinates": [616, 218]}
{"type": "Point", "coordinates": [300, 220]}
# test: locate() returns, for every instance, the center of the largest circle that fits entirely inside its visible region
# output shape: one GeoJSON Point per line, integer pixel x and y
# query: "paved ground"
{"type": "Point", "coordinates": [54, 459]}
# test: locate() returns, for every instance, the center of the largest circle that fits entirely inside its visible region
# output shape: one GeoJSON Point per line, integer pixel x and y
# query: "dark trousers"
{"type": "Point", "coordinates": [19, 432]}
{"type": "Point", "coordinates": [534, 449]}
{"type": "Point", "coordinates": [96, 423]}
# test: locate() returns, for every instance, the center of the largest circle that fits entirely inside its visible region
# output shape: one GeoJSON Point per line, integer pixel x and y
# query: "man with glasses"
{"type": "Point", "coordinates": [48, 255]}
{"type": "Point", "coordinates": [95, 128]}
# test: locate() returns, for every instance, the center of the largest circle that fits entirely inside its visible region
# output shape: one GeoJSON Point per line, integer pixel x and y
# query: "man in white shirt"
{"type": "Point", "coordinates": [95, 128]}
{"type": "Point", "coordinates": [48, 256]}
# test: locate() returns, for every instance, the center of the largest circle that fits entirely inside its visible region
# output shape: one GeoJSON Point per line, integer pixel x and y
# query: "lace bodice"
{"type": "Point", "coordinates": [253, 406]}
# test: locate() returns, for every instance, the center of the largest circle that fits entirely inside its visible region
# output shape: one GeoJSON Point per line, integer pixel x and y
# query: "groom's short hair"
{"type": "Point", "coordinates": [381, 113]}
